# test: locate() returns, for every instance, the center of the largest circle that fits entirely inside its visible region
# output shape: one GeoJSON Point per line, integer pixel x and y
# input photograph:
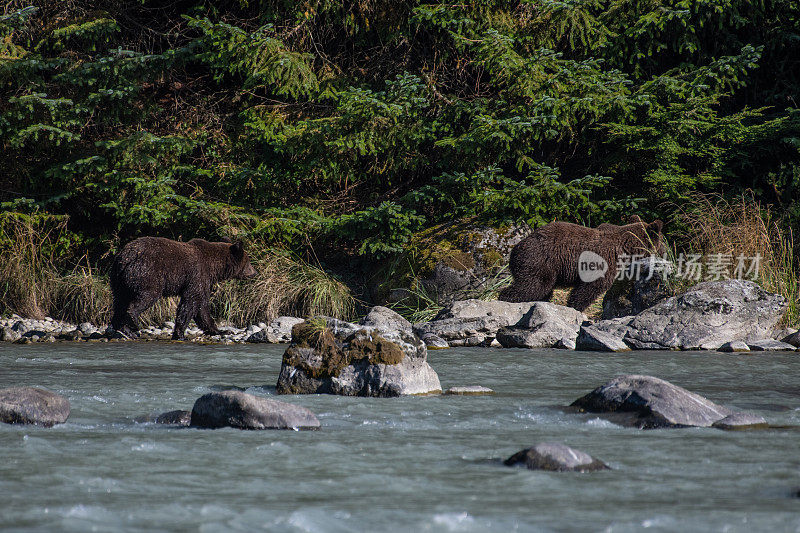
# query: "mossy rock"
{"type": "Point", "coordinates": [375, 349]}
{"type": "Point", "coordinates": [317, 351]}
{"type": "Point", "coordinates": [310, 336]}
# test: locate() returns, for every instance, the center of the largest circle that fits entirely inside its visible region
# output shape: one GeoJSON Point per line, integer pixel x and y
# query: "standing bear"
{"type": "Point", "coordinates": [549, 258]}
{"type": "Point", "coordinates": [151, 267]}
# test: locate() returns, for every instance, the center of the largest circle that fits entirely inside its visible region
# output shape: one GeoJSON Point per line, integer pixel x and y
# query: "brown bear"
{"type": "Point", "coordinates": [148, 268]}
{"type": "Point", "coordinates": [549, 258]}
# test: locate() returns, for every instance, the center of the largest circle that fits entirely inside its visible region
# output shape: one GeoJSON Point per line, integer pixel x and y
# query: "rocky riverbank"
{"type": "Point", "coordinates": [726, 315]}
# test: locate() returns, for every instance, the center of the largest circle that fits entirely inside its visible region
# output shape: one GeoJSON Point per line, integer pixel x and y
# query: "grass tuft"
{"type": "Point", "coordinates": [744, 227]}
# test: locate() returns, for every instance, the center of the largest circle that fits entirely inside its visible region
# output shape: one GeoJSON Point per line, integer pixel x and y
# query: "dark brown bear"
{"type": "Point", "coordinates": [151, 267]}
{"type": "Point", "coordinates": [548, 258]}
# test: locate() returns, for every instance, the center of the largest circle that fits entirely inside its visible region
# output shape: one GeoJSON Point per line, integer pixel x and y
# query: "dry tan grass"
{"type": "Point", "coordinates": [26, 270]}
{"type": "Point", "coordinates": [594, 311]}
{"type": "Point", "coordinates": [284, 286]}
{"type": "Point", "coordinates": [744, 227]}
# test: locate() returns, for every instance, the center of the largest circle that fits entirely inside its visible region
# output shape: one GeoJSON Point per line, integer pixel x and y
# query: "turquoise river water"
{"type": "Point", "coordinates": [398, 464]}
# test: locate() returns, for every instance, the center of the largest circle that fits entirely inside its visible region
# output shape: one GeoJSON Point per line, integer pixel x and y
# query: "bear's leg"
{"type": "Point", "coordinates": [530, 288]}
{"type": "Point", "coordinates": [584, 294]}
{"type": "Point", "coordinates": [135, 308]}
{"type": "Point", "coordinates": [187, 310]}
{"type": "Point", "coordinates": [119, 318]}
{"type": "Point", "coordinates": [205, 321]}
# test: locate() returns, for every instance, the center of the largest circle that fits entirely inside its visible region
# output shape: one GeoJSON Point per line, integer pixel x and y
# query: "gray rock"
{"type": "Point", "coordinates": [473, 322]}
{"type": "Point", "coordinates": [566, 343]}
{"type": "Point", "coordinates": [782, 333]}
{"type": "Point", "coordinates": [648, 402]}
{"type": "Point", "coordinates": [251, 329]}
{"type": "Point", "coordinates": [280, 329]}
{"type": "Point", "coordinates": [9, 334]}
{"type": "Point", "coordinates": [555, 457]}
{"type": "Point", "coordinates": [434, 342]}
{"type": "Point", "coordinates": [176, 418]}
{"type": "Point", "coordinates": [469, 390]}
{"type": "Point", "coordinates": [478, 331]}
{"type": "Point", "coordinates": [707, 316]}
{"type": "Point", "coordinates": [87, 328]}
{"type": "Point", "coordinates": [793, 339]}
{"type": "Point", "coordinates": [770, 345]}
{"type": "Point", "coordinates": [30, 405]}
{"type": "Point", "coordinates": [594, 339]}
{"type": "Point", "coordinates": [385, 319]}
{"type": "Point", "coordinates": [646, 282]}
{"type": "Point", "coordinates": [335, 357]}
{"type": "Point", "coordinates": [245, 411]}
{"type": "Point", "coordinates": [735, 346]}
{"type": "Point", "coordinates": [542, 326]}
{"type": "Point", "coordinates": [257, 337]}
{"type": "Point", "coordinates": [618, 327]}
{"type": "Point", "coordinates": [739, 421]}
{"type": "Point", "coordinates": [512, 312]}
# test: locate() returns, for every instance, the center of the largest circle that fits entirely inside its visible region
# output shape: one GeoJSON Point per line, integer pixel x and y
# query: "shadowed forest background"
{"type": "Point", "coordinates": [333, 137]}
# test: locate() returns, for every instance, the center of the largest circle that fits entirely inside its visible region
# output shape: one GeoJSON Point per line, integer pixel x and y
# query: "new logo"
{"type": "Point", "coordinates": [591, 266]}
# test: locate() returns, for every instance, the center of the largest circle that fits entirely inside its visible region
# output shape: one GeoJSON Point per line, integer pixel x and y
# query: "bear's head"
{"type": "Point", "coordinates": [238, 263]}
{"type": "Point", "coordinates": [641, 238]}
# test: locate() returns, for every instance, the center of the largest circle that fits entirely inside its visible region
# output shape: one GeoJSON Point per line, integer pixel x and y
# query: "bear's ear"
{"type": "Point", "coordinates": [225, 239]}
{"type": "Point", "coordinates": [633, 219]}
{"type": "Point", "coordinates": [237, 249]}
{"type": "Point", "coordinates": [656, 226]}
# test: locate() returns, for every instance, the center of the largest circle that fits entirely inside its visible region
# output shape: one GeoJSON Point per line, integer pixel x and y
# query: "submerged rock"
{"type": "Point", "coordinates": [245, 411]}
{"type": "Point", "coordinates": [335, 357]}
{"type": "Point", "coordinates": [469, 390]}
{"type": "Point", "coordinates": [555, 457]}
{"type": "Point", "coordinates": [707, 316]}
{"type": "Point", "coordinates": [178, 417]}
{"type": "Point", "coordinates": [770, 345]}
{"type": "Point", "coordinates": [544, 325]}
{"type": "Point", "coordinates": [735, 346]}
{"type": "Point", "coordinates": [648, 402]}
{"type": "Point", "coordinates": [30, 405]}
{"type": "Point", "coordinates": [741, 421]}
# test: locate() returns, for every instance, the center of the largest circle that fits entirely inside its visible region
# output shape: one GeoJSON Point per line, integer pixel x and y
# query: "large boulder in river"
{"type": "Point", "coordinates": [336, 357]}
{"type": "Point", "coordinates": [555, 457]}
{"type": "Point", "coordinates": [648, 402]}
{"type": "Point", "coordinates": [31, 405]}
{"type": "Point", "coordinates": [707, 316]}
{"type": "Point", "coordinates": [542, 326]}
{"type": "Point", "coordinates": [240, 410]}
{"type": "Point", "coordinates": [642, 284]}
{"type": "Point", "coordinates": [473, 322]}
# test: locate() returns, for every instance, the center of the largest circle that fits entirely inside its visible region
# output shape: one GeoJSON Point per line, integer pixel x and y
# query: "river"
{"type": "Point", "coordinates": [398, 464]}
